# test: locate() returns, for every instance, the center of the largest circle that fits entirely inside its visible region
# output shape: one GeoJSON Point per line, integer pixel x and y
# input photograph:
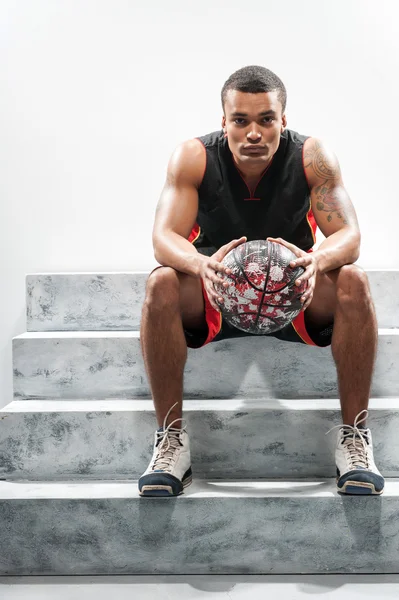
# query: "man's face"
{"type": "Point", "coordinates": [253, 123]}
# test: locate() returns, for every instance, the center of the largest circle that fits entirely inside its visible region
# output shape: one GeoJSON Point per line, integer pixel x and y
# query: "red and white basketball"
{"type": "Point", "coordinates": [262, 296]}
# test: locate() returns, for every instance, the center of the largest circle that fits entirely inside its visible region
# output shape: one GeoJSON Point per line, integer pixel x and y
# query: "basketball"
{"type": "Point", "coordinates": [262, 297]}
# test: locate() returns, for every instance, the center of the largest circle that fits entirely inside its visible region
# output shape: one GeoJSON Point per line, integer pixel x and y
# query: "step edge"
{"type": "Point", "coordinates": [148, 271]}
{"type": "Point", "coordinates": [376, 405]}
{"type": "Point", "coordinates": [126, 334]}
{"type": "Point", "coordinates": [226, 488]}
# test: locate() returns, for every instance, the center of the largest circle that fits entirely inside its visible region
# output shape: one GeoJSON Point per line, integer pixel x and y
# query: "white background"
{"type": "Point", "coordinates": [95, 95]}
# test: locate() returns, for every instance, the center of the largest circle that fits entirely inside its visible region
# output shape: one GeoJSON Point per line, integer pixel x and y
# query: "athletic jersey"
{"type": "Point", "coordinates": [279, 206]}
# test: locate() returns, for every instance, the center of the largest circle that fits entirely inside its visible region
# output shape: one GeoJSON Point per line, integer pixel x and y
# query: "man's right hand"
{"type": "Point", "coordinates": [211, 265]}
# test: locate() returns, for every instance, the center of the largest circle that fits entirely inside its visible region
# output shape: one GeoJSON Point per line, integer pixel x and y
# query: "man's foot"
{"type": "Point", "coordinates": [169, 471]}
{"type": "Point", "coordinates": [356, 469]}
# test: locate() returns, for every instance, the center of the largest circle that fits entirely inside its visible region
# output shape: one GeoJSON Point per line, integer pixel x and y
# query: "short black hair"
{"type": "Point", "coordinates": [255, 79]}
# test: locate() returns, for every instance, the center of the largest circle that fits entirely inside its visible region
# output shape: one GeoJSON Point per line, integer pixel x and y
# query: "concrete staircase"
{"type": "Point", "coordinates": [80, 428]}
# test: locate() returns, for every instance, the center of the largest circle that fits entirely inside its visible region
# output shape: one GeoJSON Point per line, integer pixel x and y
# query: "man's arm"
{"type": "Point", "coordinates": [334, 214]}
{"type": "Point", "coordinates": [332, 208]}
{"type": "Point", "coordinates": [175, 217]}
{"type": "Point", "coordinates": [177, 209]}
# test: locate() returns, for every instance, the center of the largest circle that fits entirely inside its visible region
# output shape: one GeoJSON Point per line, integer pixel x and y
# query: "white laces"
{"type": "Point", "coordinates": [169, 444]}
{"type": "Point", "coordinates": [356, 446]}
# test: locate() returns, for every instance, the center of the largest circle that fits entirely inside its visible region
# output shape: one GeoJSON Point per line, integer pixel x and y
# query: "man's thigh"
{"type": "Point", "coordinates": [321, 310]}
{"type": "Point", "coordinates": [192, 304]}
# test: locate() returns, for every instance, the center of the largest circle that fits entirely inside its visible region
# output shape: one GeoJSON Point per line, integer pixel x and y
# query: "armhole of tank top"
{"type": "Point", "coordinates": [309, 215]}
{"type": "Point", "coordinates": [303, 162]}
{"type": "Point", "coordinates": [206, 161]}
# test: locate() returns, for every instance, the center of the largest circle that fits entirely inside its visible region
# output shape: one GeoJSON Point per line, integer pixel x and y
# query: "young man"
{"type": "Point", "coordinates": [256, 179]}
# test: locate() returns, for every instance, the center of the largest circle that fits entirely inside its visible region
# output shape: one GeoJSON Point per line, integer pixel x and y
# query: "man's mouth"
{"type": "Point", "coordinates": [254, 149]}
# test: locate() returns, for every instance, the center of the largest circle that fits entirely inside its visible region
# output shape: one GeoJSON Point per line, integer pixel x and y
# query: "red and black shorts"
{"type": "Point", "coordinates": [218, 329]}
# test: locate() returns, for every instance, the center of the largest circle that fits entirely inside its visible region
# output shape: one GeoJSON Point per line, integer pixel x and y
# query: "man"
{"type": "Point", "coordinates": [256, 179]}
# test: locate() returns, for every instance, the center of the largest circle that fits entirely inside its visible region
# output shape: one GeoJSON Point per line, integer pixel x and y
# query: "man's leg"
{"type": "Point", "coordinates": [344, 296]}
{"type": "Point", "coordinates": [172, 300]}
{"type": "Point", "coordinates": [354, 345]}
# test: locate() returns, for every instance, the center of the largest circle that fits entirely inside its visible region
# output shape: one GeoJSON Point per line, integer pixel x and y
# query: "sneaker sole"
{"type": "Point", "coordinates": [164, 490]}
{"type": "Point", "coordinates": [359, 489]}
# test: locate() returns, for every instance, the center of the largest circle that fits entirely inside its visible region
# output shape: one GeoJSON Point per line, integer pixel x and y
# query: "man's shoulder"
{"type": "Point", "coordinates": [188, 162]}
{"type": "Point", "coordinates": [193, 152]}
{"type": "Point", "coordinates": [294, 137]}
{"type": "Point", "coordinates": [212, 139]}
{"type": "Point", "coordinates": [195, 146]}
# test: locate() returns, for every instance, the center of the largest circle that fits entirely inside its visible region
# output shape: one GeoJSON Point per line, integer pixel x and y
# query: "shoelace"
{"type": "Point", "coordinates": [356, 446]}
{"type": "Point", "coordinates": [171, 437]}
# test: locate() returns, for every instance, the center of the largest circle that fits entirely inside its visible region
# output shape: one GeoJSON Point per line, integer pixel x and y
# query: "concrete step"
{"type": "Point", "coordinates": [113, 301]}
{"type": "Point", "coordinates": [112, 439]}
{"type": "Point", "coordinates": [100, 365]}
{"type": "Point", "coordinates": [237, 527]}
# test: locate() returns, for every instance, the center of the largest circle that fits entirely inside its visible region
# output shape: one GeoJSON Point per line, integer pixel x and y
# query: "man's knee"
{"type": "Point", "coordinates": [162, 288]}
{"type": "Point", "coordinates": [353, 285]}
{"type": "Point", "coordinates": [352, 277]}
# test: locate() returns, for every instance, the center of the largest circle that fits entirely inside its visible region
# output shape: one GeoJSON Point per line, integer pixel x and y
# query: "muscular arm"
{"type": "Point", "coordinates": [332, 208]}
{"type": "Point", "coordinates": [177, 209]}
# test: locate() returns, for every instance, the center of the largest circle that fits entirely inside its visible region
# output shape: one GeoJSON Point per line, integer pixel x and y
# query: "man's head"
{"type": "Point", "coordinates": [253, 100]}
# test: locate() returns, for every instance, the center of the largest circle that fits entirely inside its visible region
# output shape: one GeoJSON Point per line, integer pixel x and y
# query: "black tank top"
{"type": "Point", "coordinates": [278, 207]}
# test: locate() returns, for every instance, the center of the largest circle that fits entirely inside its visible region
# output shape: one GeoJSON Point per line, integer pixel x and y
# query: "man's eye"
{"type": "Point", "coordinates": [242, 121]}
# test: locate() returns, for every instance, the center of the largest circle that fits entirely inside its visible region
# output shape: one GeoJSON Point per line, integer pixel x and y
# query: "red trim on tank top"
{"type": "Point", "coordinates": [251, 197]}
{"type": "Point", "coordinates": [309, 215]}
{"type": "Point", "coordinates": [312, 222]}
{"type": "Point", "coordinates": [195, 232]}
{"type": "Point", "coordinates": [303, 164]}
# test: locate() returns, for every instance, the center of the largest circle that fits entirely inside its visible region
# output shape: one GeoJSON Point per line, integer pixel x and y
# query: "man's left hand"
{"type": "Point", "coordinates": [306, 260]}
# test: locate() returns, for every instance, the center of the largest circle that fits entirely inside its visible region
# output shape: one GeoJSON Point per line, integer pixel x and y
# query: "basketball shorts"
{"type": "Point", "coordinates": [218, 329]}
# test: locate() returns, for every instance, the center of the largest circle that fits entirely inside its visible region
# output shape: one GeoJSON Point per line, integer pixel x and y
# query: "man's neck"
{"type": "Point", "coordinates": [252, 174]}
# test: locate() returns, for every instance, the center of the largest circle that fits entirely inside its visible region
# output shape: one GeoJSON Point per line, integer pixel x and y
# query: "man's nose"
{"type": "Point", "coordinates": [254, 134]}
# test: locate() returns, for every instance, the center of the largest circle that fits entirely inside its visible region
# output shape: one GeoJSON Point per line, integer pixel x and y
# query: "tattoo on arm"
{"type": "Point", "coordinates": [327, 193]}
{"type": "Point", "coordinates": [328, 200]}
{"type": "Point", "coordinates": [316, 159]}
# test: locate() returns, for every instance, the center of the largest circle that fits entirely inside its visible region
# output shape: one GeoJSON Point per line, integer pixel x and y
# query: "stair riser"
{"type": "Point", "coordinates": [251, 444]}
{"type": "Point", "coordinates": [113, 301]}
{"type": "Point", "coordinates": [199, 535]}
{"type": "Point", "coordinates": [113, 367]}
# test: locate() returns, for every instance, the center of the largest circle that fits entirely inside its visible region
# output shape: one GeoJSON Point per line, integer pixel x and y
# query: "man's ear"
{"type": "Point", "coordinates": [283, 123]}
{"type": "Point", "coordinates": [223, 122]}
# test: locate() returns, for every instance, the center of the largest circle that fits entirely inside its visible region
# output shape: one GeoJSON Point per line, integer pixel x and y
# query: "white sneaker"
{"type": "Point", "coordinates": [169, 471]}
{"type": "Point", "coordinates": [356, 469]}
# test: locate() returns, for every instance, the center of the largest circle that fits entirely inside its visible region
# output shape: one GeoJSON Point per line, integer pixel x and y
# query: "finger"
{"type": "Point", "coordinates": [237, 241]}
{"type": "Point", "coordinates": [277, 241]}
{"type": "Point", "coordinates": [307, 296]}
{"type": "Point", "coordinates": [215, 279]}
{"type": "Point", "coordinates": [307, 303]}
{"type": "Point", "coordinates": [221, 253]}
{"type": "Point", "coordinates": [231, 245]}
{"type": "Point", "coordinates": [282, 242]}
{"type": "Point", "coordinates": [213, 297]}
{"type": "Point", "coordinates": [214, 305]}
{"type": "Point", "coordinates": [218, 290]}
{"type": "Point", "coordinates": [216, 301]}
{"type": "Point", "coordinates": [219, 267]}
{"type": "Point", "coordinates": [305, 276]}
{"type": "Point", "coordinates": [294, 249]}
{"type": "Point", "coordinates": [302, 261]}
